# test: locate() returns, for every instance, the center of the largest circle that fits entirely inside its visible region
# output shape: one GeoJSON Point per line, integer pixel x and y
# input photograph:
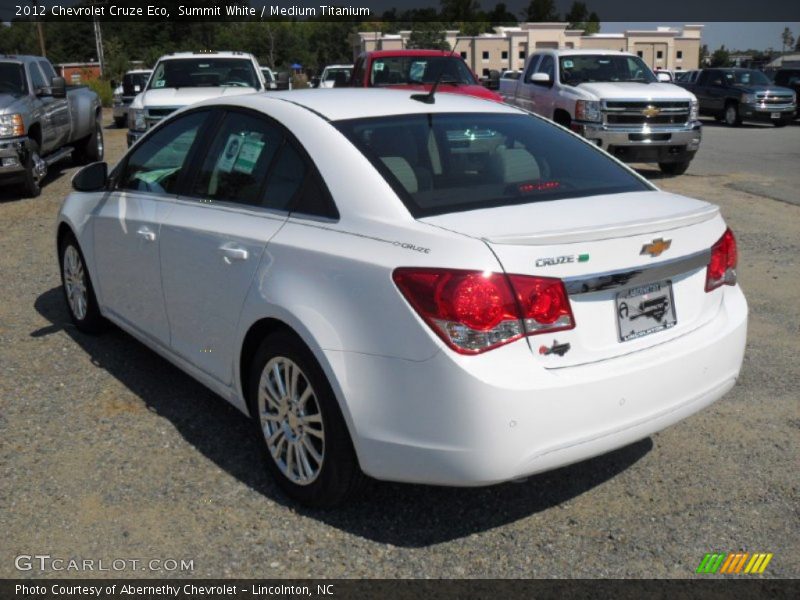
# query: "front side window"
{"type": "Point", "coordinates": [577, 69]}
{"type": "Point", "coordinates": [156, 163]}
{"type": "Point", "coordinates": [240, 155]}
{"type": "Point", "coordinates": [393, 70]}
{"type": "Point", "coordinates": [37, 79]}
{"type": "Point", "coordinates": [547, 66]}
{"type": "Point", "coordinates": [442, 163]}
{"type": "Point", "coordinates": [204, 72]}
{"type": "Point", "coordinates": [47, 70]}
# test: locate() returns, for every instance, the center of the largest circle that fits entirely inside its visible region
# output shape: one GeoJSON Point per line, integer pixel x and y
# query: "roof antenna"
{"type": "Point", "coordinates": [429, 98]}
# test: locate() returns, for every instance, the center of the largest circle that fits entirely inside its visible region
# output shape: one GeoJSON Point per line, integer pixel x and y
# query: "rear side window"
{"type": "Point", "coordinates": [443, 163]}
{"type": "Point", "coordinates": [155, 165]}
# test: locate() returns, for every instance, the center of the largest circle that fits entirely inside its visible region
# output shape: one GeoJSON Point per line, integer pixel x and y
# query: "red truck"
{"type": "Point", "coordinates": [418, 70]}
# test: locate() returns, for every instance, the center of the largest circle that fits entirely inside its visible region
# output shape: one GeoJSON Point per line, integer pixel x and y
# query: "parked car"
{"type": "Point", "coordinates": [42, 122]}
{"type": "Point", "coordinates": [789, 78]}
{"type": "Point", "coordinates": [418, 70]}
{"type": "Point", "coordinates": [613, 99]}
{"type": "Point", "coordinates": [270, 81]}
{"type": "Point", "coordinates": [736, 95]}
{"type": "Point", "coordinates": [334, 76]}
{"type": "Point", "coordinates": [688, 76]}
{"type": "Point", "coordinates": [452, 293]}
{"type": "Point", "coordinates": [183, 78]}
{"type": "Point", "coordinates": [133, 82]}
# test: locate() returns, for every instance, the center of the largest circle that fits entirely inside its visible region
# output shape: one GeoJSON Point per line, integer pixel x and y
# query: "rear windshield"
{"type": "Point", "coordinates": [204, 72]}
{"type": "Point", "coordinates": [452, 162]}
{"type": "Point", "coordinates": [133, 83]}
{"type": "Point", "coordinates": [12, 79]}
{"type": "Point", "coordinates": [394, 70]}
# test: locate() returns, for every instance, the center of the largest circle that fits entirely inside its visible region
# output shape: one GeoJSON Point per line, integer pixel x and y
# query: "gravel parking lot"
{"type": "Point", "coordinates": [107, 451]}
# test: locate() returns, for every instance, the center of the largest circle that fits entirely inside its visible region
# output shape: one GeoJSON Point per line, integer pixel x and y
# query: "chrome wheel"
{"type": "Point", "coordinates": [731, 115]}
{"type": "Point", "coordinates": [291, 420]}
{"type": "Point", "coordinates": [75, 282]}
{"type": "Point", "coordinates": [100, 146]}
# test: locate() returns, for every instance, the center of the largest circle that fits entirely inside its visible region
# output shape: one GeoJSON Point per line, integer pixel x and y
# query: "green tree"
{"type": "Point", "coordinates": [593, 24]}
{"type": "Point", "coordinates": [721, 57]}
{"type": "Point", "coordinates": [541, 11]}
{"type": "Point", "coordinates": [579, 17]}
{"type": "Point", "coordinates": [787, 39]}
{"type": "Point", "coordinates": [702, 55]}
{"type": "Point", "coordinates": [500, 15]}
{"type": "Point", "coordinates": [428, 36]}
{"type": "Point", "coordinates": [459, 10]}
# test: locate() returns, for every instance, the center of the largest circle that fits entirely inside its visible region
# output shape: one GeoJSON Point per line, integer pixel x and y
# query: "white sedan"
{"type": "Point", "coordinates": [454, 293]}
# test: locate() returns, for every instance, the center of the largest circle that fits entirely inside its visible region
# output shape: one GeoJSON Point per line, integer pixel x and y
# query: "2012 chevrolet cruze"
{"type": "Point", "coordinates": [454, 293]}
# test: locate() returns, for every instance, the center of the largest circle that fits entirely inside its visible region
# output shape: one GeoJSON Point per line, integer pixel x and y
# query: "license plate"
{"type": "Point", "coordinates": [774, 115]}
{"type": "Point", "coordinates": [644, 310]}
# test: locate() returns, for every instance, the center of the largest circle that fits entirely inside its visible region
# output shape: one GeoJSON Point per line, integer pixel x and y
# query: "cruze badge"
{"type": "Point", "coordinates": [549, 261]}
{"type": "Point", "coordinates": [656, 247]}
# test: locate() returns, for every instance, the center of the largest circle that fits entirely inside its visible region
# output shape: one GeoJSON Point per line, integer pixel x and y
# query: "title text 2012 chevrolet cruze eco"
{"type": "Point", "coordinates": [454, 293]}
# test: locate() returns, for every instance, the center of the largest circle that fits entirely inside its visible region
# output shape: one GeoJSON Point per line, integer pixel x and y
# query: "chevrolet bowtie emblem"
{"type": "Point", "coordinates": [656, 247]}
{"type": "Point", "coordinates": [651, 111]}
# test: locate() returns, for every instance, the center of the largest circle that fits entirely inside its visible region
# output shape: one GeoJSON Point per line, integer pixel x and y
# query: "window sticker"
{"type": "Point", "coordinates": [417, 71]}
{"type": "Point", "coordinates": [230, 153]}
{"type": "Point", "coordinates": [159, 84]}
{"type": "Point", "coordinates": [249, 152]}
{"type": "Point", "coordinates": [568, 64]}
{"type": "Point", "coordinates": [378, 66]}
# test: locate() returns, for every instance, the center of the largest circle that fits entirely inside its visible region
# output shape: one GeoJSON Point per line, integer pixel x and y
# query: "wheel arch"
{"type": "Point", "coordinates": [562, 117]}
{"type": "Point", "coordinates": [35, 134]}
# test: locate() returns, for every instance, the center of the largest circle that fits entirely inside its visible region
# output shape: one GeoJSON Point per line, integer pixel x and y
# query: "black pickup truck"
{"type": "Point", "coordinates": [736, 95]}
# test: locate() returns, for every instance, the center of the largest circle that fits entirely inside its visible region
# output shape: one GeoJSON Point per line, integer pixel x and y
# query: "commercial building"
{"type": "Point", "coordinates": [508, 47]}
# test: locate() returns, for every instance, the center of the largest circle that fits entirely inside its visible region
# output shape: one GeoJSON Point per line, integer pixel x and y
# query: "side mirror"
{"type": "Point", "coordinates": [663, 77]}
{"type": "Point", "coordinates": [58, 87]}
{"type": "Point", "coordinates": [91, 178]}
{"type": "Point", "coordinates": [541, 79]}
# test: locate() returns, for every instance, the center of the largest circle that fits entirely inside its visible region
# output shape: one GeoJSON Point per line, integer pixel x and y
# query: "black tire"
{"type": "Point", "coordinates": [674, 168]}
{"type": "Point", "coordinates": [92, 321]}
{"type": "Point", "coordinates": [91, 148]}
{"type": "Point", "coordinates": [120, 122]}
{"type": "Point", "coordinates": [31, 183]}
{"type": "Point", "coordinates": [731, 115]}
{"type": "Point", "coordinates": [339, 476]}
{"type": "Point", "coordinates": [781, 123]}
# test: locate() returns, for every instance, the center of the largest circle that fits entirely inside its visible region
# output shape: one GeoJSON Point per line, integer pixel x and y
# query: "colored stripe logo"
{"type": "Point", "coordinates": [734, 563]}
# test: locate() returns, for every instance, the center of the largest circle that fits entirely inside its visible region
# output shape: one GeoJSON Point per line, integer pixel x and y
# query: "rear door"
{"type": "Point", "coordinates": [213, 239]}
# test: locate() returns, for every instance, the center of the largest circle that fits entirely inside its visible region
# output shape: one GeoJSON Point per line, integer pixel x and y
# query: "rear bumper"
{"type": "Point", "coordinates": [638, 144]}
{"type": "Point", "coordinates": [478, 420]}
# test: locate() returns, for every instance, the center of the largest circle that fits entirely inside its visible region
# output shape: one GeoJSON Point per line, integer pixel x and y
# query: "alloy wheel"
{"type": "Point", "coordinates": [75, 282]}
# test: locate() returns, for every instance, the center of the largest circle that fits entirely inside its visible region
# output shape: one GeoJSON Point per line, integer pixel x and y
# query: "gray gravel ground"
{"type": "Point", "coordinates": [107, 451]}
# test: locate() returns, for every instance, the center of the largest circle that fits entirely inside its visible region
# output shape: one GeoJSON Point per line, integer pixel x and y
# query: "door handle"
{"type": "Point", "coordinates": [232, 252]}
{"type": "Point", "coordinates": [146, 234]}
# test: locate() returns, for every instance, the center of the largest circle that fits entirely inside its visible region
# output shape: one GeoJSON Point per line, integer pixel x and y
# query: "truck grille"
{"type": "Point", "coordinates": [154, 115]}
{"type": "Point", "coordinates": [632, 113]}
{"type": "Point", "coordinates": [774, 99]}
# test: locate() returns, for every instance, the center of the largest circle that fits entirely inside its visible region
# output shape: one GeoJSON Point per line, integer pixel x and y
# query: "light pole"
{"type": "Point", "coordinates": [39, 28]}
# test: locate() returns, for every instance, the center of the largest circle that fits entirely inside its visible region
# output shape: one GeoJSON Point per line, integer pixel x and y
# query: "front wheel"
{"type": "Point", "coordinates": [302, 432]}
{"type": "Point", "coordinates": [732, 117]}
{"type": "Point", "coordinates": [78, 289]}
{"type": "Point", "coordinates": [674, 168]}
{"type": "Point", "coordinates": [35, 170]}
{"type": "Point", "coordinates": [781, 123]}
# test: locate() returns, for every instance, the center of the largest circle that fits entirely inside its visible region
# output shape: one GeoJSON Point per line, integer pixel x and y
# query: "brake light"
{"type": "Point", "coordinates": [475, 311]}
{"type": "Point", "coordinates": [722, 266]}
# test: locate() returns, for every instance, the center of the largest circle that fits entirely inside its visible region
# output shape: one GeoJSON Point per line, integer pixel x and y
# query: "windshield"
{"type": "Point", "coordinates": [267, 75]}
{"type": "Point", "coordinates": [204, 72]}
{"type": "Point", "coordinates": [12, 79]}
{"type": "Point", "coordinates": [133, 83]}
{"type": "Point", "coordinates": [330, 74]}
{"type": "Point", "coordinates": [444, 163]}
{"type": "Point", "coordinates": [394, 70]}
{"type": "Point", "coordinates": [577, 69]}
{"type": "Point", "coordinates": [746, 77]}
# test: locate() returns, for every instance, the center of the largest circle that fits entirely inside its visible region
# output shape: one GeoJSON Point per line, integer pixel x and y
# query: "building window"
{"type": "Point", "coordinates": [464, 55]}
{"type": "Point", "coordinates": [660, 54]}
{"type": "Point", "coordinates": [678, 68]}
{"type": "Point", "coordinates": [640, 54]}
{"type": "Point", "coordinates": [522, 54]}
{"type": "Point", "coordinates": [485, 55]}
{"type": "Point", "coordinates": [505, 55]}
{"type": "Point", "coordinates": [679, 55]}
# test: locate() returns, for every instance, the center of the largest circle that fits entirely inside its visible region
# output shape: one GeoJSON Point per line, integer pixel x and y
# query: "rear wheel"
{"type": "Point", "coordinates": [78, 289]}
{"type": "Point", "coordinates": [304, 437]}
{"type": "Point", "coordinates": [91, 148]}
{"type": "Point", "coordinates": [674, 168]}
{"type": "Point", "coordinates": [35, 170]}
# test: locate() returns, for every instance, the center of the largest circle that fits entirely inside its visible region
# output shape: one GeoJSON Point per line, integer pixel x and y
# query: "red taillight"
{"type": "Point", "coordinates": [475, 311]}
{"type": "Point", "coordinates": [722, 266]}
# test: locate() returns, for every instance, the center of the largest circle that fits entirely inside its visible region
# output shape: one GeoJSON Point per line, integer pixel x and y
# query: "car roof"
{"type": "Point", "coordinates": [382, 53]}
{"type": "Point", "coordinates": [339, 104]}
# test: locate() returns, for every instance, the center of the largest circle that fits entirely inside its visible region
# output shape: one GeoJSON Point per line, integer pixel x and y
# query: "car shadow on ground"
{"type": "Point", "coordinates": [713, 123]}
{"type": "Point", "coordinates": [399, 514]}
{"type": "Point", "coordinates": [12, 191]}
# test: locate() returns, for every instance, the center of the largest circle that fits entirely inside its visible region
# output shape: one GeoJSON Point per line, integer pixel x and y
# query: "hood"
{"type": "Point", "coordinates": [179, 97]}
{"type": "Point", "coordinates": [578, 219]}
{"type": "Point", "coordinates": [8, 101]}
{"type": "Point", "coordinates": [477, 91]}
{"type": "Point", "coordinates": [628, 90]}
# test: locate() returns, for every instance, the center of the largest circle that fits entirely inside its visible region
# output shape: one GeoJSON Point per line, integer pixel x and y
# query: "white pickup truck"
{"type": "Point", "coordinates": [614, 100]}
{"type": "Point", "coordinates": [184, 78]}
